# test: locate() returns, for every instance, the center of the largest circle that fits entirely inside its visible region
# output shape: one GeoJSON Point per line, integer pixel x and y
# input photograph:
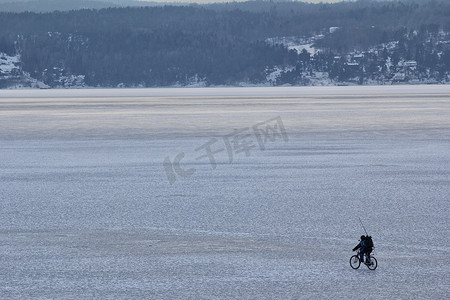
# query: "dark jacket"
{"type": "Point", "coordinates": [360, 245]}
{"type": "Point", "coordinates": [365, 243]}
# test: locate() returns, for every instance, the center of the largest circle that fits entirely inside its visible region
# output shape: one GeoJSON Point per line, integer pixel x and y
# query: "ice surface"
{"type": "Point", "coordinates": [87, 211]}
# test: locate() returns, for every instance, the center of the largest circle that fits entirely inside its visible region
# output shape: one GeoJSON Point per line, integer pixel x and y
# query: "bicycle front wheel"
{"type": "Point", "coordinates": [355, 262]}
{"type": "Point", "coordinates": [373, 263]}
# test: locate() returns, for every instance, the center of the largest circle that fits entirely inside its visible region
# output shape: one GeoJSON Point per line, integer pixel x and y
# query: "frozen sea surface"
{"type": "Point", "coordinates": [88, 211]}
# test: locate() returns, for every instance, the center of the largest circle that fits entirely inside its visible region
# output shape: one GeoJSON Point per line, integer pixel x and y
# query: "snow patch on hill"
{"type": "Point", "coordinates": [13, 77]}
{"type": "Point", "coordinates": [296, 43]}
{"type": "Point", "coordinates": [9, 63]}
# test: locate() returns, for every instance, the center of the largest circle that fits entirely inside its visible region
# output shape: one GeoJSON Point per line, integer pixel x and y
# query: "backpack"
{"type": "Point", "coordinates": [369, 242]}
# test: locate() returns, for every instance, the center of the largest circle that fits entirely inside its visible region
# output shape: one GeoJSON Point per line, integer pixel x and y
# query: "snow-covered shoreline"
{"type": "Point", "coordinates": [228, 91]}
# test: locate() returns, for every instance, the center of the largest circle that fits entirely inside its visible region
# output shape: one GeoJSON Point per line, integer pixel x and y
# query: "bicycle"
{"type": "Point", "coordinates": [355, 262]}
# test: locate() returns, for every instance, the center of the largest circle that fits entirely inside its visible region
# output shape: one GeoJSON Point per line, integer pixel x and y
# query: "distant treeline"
{"type": "Point", "coordinates": [220, 43]}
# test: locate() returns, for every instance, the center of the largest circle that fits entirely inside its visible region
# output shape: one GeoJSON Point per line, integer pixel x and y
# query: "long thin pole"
{"type": "Point", "coordinates": [363, 226]}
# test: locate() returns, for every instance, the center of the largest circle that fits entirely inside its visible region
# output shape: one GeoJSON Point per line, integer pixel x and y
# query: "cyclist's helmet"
{"type": "Point", "coordinates": [362, 237]}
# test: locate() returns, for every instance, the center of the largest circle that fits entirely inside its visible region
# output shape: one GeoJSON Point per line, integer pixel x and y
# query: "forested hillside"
{"type": "Point", "coordinates": [229, 44]}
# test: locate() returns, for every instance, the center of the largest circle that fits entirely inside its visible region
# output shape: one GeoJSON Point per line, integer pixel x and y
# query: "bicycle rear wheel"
{"type": "Point", "coordinates": [355, 262]}
{"type": "Point", "coordinates": [373, 263]}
